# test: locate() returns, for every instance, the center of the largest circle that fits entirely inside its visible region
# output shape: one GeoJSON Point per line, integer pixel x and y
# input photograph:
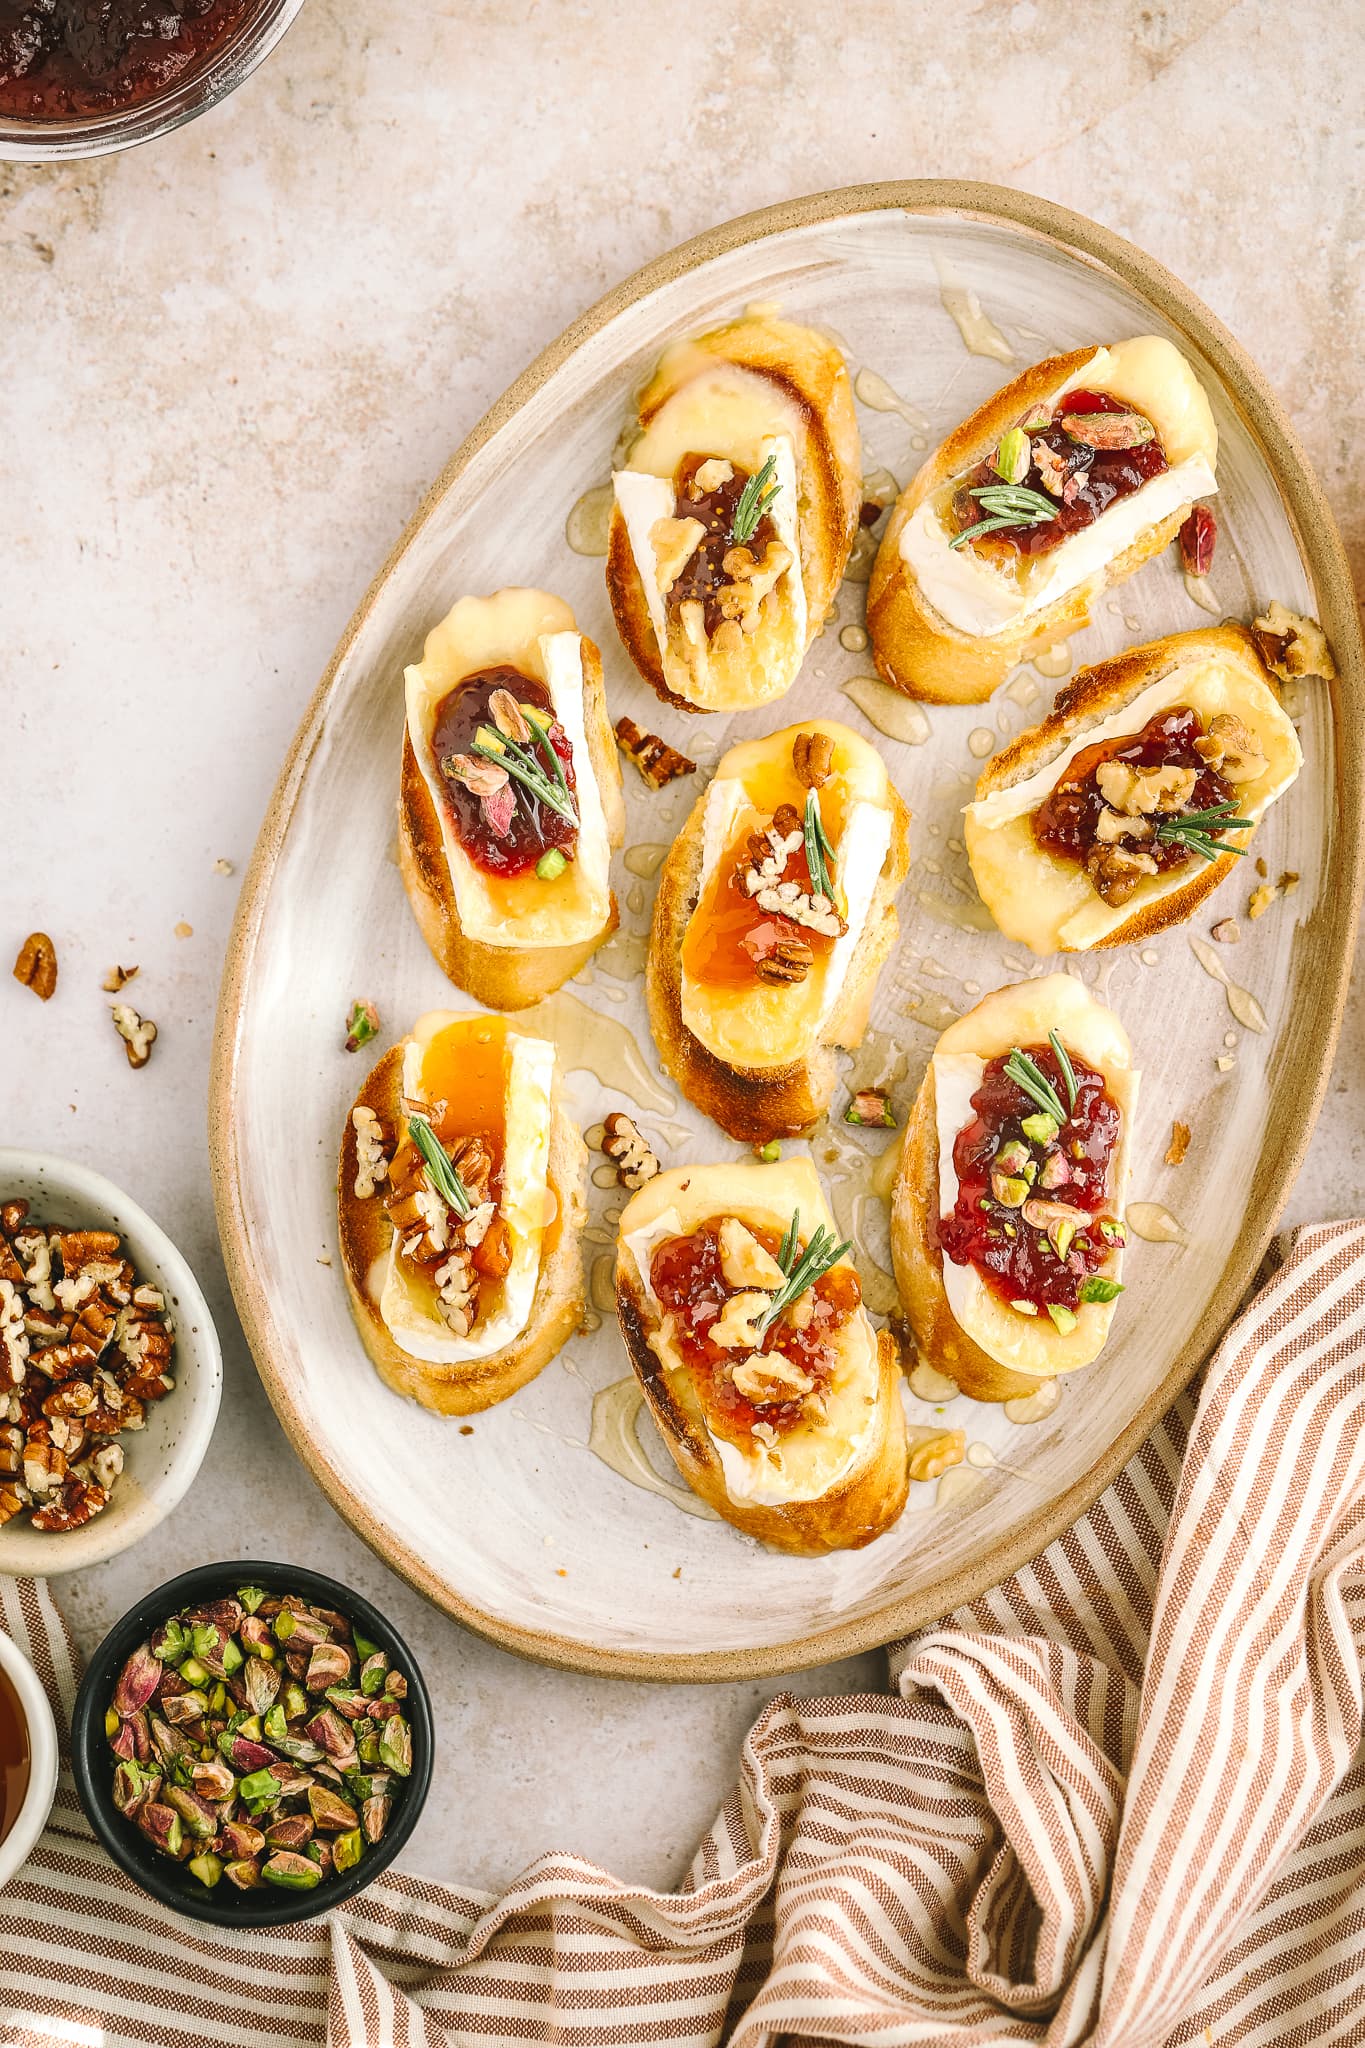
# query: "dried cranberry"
{"type": "Point", "coordinates": [1197, 539]}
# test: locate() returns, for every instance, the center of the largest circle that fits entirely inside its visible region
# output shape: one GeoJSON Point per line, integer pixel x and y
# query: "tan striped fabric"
{"type": "Point", "coordinates": [1119, 1800]}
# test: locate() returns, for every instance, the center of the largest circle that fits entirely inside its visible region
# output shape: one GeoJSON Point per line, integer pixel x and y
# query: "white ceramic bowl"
{"type": "Point", "coordinates": [163, 1458]}
{"type": "Point", "coordinates": [42, 1751]}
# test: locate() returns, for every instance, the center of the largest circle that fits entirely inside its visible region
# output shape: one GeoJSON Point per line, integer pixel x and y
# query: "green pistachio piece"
{"type": "Point", "coordinates": [771, 1152]}
{"type": "Point", "coordinates": [347, 1850]}
{"type": "Point", "coordinates": [284, 1624]}
{"type": "Point", "coordinates": [207, 1867]}
{"type": "Point", "coordinates": [291, 1872]}
{"type": "Point", "coordinates": [233, 1659]}
{"type": "Point", "coordinates": [1012, 457]}
{"type": "Point", "coordinates": [251, 1597]}
{"type": "Point", "coordinates": [551, 865]}
{"type": "Point", "coordinates": [1040, 1128]}
{"type": "Point", "coordinates": [1064, 1318]}
{"type": "Point", "coordinates": [395, 1745]}
{"type": "Point", "coordinates": [112, 1724]}
{"type": "Point", "coordinates": [193, 1672]}
{"type": "Point", "coordinates": [1010, 1193]}
{"type": "Point", "coordinates": [1011, 1158]}
{"type": "Point", "coordinates": [1025, 1308]}
{"type": "Point", "coordinates": [259, 1785]}
{"type": "Point", "coordinates": [1061, 1235]}
{"type": "Point", "coordinates": [372, 1674]}
{"type": "Point", "coordinates": [1097, 1288]}
{"type": "Point", "coordinates": [364, 1648]}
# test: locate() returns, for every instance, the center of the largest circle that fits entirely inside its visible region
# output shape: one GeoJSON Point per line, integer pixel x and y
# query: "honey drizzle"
{"type": "Point", "coordinates": [613, 1438]}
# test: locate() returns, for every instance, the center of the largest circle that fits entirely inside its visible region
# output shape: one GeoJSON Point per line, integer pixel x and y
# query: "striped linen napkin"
{"type": "Point", "coordinates": [1120, 1799]}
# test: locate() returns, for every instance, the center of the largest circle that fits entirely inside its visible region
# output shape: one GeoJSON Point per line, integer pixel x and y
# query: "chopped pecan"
{"type": "Point", "coordinates": [138, 1034]}
{"type": "Point", "coordinates": [657, 761]}
{"type": "Point", "coordinates": [789, 962]}
{"type": "Point", "coordinates": [1293, 646]}
{"type": "Point", "coordinates": [371, 1154]}
{"type": "Point", "coordinates": [813, 758]}
{"type": "Point", "coordinates": [1179, 1145]}
{"type": "Point", "coordinates": [36, 966]}
{"type": "Point", "coordinates": [77, 1502]}
{"type": "Point", "coordinates": [627, 1148]}
{"type": "Point", "coordinates": [117, 978]}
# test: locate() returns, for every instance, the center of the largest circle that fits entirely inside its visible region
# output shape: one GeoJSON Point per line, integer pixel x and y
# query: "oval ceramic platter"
{"type": "Point", "coordinates": [556, 1523]}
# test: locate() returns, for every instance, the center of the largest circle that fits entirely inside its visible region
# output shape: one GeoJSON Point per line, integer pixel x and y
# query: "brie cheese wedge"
{"type": "Point", "coordinates": [526, 1205]}
{"type": "Point", "coordinates": [980, 595]}
{"type": "Point", "coordinates": [536, 635]}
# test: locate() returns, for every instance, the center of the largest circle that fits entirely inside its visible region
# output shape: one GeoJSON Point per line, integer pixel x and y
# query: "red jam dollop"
{"type": "Point", "coordinates": [1064, 823]}
{"type": "Point", "coordinates": [703, 576]}
{"type": "Point", "coordinates": [1013, 1244]}
{"type": "Point", "coordinates": [65, 59]}
{"type": "Point", "coordinates": [1102, 476]}
{"type": "Point", "coordinates": [533, 829]}
{"type": "Point", "coordinates": [690, 1285]}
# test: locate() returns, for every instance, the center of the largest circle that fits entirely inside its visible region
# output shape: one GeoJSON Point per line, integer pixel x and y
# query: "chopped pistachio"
{"type": "Point", "coordinates": [1064, 1318]}
{"type": "Point", "coordinates": [347, 1850]}
{"type": "Point", "coordinates": [1097, 1288]}
{"type": "Point", "coordinates": [207, 1867]}
{"type": "Point", "coordinates": [771, 1152]}
{"type": "Point", "coordinates": [1013, 456]}
{"type": "Point", "coordinates": [551, 865]}
{"type": "Point", "coordinates": [1040, 1128]}
{"type": "Point", "coordinates": [1025, 1308]}
{"type": "Point", "coordinates": [251, 1597]}
{"type": "Point", "coordinates": [1010, 1193]}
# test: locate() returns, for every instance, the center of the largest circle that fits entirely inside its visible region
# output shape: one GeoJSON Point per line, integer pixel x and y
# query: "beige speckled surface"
{"type": "Point", "coordinates": [234, 361]}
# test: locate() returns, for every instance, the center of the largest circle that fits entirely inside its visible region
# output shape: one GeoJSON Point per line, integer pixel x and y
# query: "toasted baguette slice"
{"type": "Point", "coordinates": [497, 939]}
{"type": "Point", "coordinates": [950, 629]}
{"type": "Point", "coordinates": [461, 1386]}
{"type": "Point", "coordinates": [1052, 905]}
{"type": "Point", "coordinates": [757, 1057]}
{"type": "Point", "coordinates": [831, 1484]}
{"type": "Point", "coordinates": [992, 1351]}
{"type": "Point", "coordinates": [755, 388]}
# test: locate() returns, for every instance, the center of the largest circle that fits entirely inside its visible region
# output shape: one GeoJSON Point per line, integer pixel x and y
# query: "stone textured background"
{"type": "Point", "coordinates": [233, 362]}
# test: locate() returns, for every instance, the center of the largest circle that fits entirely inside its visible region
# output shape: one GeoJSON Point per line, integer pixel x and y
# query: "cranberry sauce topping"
{"type": "Point", "coordinates": [69, 58]}
{"type": "Point", "coordinates": [1031, 1195]}
{"type": "Point", "coordinates": [704, 575]}
{"type": "Point", "coordinates": [504, 832]}
{"type": "Point", "coordinates": [1066, 823]}
{"type": "Point", "coordinates": [1080, 481]}
{"type": "Point", "coordinates": [687, 1277]}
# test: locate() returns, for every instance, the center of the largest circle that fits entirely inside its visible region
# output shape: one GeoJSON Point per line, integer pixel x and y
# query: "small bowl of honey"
{"type": "Point", "coordinates": [28, 1758]}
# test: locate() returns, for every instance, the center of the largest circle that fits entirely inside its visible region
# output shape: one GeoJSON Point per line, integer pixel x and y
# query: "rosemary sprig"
{"type": "Point", "coordinates": [815, 1261]}
{"type": "Point", "coordinates": [525, 769]}
{"type": "Point", "coordinates": [440, 1172]}
{"type": "Point", "coordinates": [540, 726]}
{"type": "Point", "coordinates": [1068, 1071]}
{"type": "Point", "coordinates": [1197, 831]}
{"type": "Point", "coordinates": [818, 849]}
{"type": "Point", "coordinates": [754, 500]}
{"type": "Point", "coordinates": [1007, 505]}
{"type": "Point", "coordinates": [1026, 1074]}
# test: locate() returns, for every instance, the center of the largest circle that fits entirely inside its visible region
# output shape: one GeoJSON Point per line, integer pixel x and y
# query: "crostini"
{"type": "Point", "coordinates": [510, 797]}
{"type": "Point", "coordinates": [460, 1201]}
{"type": "Point", "coordinates": [744, 1322]}
{"type": "Point", "coordinates": [1007, 1229]}
{"type": "Point", "coordinates": [735, 511]}
{"type": "Point", "coordinates": [775, 910]}
{"type": "Point", "coordinates": [1061, 485]}
{"type": "Point", "coordinates": [1124, 809]}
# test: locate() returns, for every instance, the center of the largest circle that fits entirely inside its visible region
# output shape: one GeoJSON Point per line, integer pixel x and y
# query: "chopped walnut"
{"type": "Point", "coordinates": [1112, 826]}
{"type": "Point", "coordinates": [628, 1150]}
{"type": "Point", "coordinates": [713, 475]}
{"type": "Point", "coordinates": [1231, 749]}
{"type": "Point", "coordinates": [768, 1377]}
{"type": "Point", "coordinates": [371, 1159]}
{"type": "Point", "coordinates": [1140, 792]}
{"type": "Point", "coordinates": [744, 1261]}
{"type": "Point", "coordinates": [751, 581]}
{"type": "Point", "coordinates": [932, 1455]}
{"type": "Point", "coordinates": [1116, 872]}
{"type": "Point", "coordinates": [736, 1327]}
{"type": "Point", "coordinates": [1227, 931]}
{"type": "Point", "coordinates": [674, 542]}
{"type": "Point", "coordinates": [1261, 899]}
{"type": "Point", "coordinates": [1293, 646]}
{"type": "Point", "coordinates": [138, 1034]}
{"type": "Point", "coordinates": [657, 761]}
{"type": "Point", "coordinates": [1179, 1145]}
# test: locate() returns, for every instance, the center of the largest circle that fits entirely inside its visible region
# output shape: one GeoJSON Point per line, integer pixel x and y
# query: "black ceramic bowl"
{"type": "Point", "coordinates": [93, 1762]}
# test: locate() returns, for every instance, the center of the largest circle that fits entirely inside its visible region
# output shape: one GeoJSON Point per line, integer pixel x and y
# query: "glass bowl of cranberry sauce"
{"type": "Point", "coordinates": [83, 77]}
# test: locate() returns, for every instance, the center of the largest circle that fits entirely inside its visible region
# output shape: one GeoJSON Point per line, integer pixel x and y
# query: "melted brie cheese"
{"type": "Point", "coordinates": [759, 1025]}
{"type": "Point", "coordinates": [982, 596]}
{"type": "Point", "coordinates": [726, 411]}
{"type": "Point", "coordinates": [526, 1203]}
{"type": "Point", "coordinates": [807, 1460]}
{"type": "Point", "coordinates": [1024, 1016]}
{"type": "Point", "coordinates": [1052, 905]}
{"type": "Point", "coordinates": [536, 635]}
